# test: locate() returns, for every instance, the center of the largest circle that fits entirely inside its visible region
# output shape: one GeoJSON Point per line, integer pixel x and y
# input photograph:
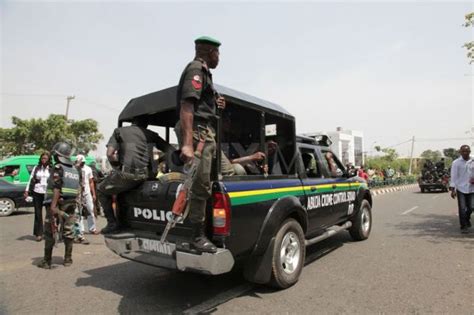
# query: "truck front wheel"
{"type": "Point", "coordinates": [362, 223]}
{"type": "Point", "coordinates": [288, 255]}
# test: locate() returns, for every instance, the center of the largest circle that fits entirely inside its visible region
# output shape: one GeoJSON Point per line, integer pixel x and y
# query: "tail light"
{"type": "Point", "coordinates": [221, 214]}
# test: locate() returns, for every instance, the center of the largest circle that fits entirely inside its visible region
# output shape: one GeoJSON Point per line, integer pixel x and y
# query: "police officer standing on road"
{"type": "Point", "coordinates": [130, 152]}
{"type": "Point", "coordinates": [196, 106]}
{"type": "Point", "coordinates": [60, 204]}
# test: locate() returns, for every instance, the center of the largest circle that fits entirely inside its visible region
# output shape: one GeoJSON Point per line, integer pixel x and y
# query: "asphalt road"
{"type": "Point", "coordinates": [415, 261]}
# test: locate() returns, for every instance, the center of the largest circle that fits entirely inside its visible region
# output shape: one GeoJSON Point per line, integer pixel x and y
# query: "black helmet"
{"type": "Point", "coordinates": [62, 152]}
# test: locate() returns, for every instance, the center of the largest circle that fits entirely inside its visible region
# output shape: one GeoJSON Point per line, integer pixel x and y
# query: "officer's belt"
{"type": "Point", "coordinates": [134, 171]}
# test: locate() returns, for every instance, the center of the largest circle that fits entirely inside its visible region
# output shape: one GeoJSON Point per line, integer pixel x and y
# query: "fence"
{"type": "Point", "coordinates": [379, 182]}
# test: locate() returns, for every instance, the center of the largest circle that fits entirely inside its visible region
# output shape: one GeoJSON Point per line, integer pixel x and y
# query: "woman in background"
{"type": "Point", "coordinates": [36, 188]}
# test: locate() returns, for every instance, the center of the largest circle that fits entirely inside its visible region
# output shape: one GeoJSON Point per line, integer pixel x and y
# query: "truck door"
{"type": "Point", "coordinates": [316, 189]}
{"type": "Point", "coordinates": [342, 190]}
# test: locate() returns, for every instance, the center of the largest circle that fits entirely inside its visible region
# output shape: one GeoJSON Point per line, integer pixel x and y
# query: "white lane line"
{"type": "Point", "coordinates": [409, 210]}
{"type": "Point", "coordinates": [435, 197]}
{"type": "Point", "coordinates": [219, 299]}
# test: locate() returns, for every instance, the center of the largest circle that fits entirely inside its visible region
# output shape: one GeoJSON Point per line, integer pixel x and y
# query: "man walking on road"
{"type": "Point", "coordinates": [87, 195]}
{"type": "Point", "coordinates": [462, 186]}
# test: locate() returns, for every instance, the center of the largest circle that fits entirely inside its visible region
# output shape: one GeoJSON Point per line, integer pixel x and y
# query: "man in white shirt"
{"type": "Point", "coordinates": [462, 186]}
{"type": "Point", "coordinates": [88, 196]}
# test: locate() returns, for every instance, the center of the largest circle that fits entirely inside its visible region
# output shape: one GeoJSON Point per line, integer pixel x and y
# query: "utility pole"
{"type": "Point", "coordinates": [411, 154]}
{"type": "Point", "coordinates": [68, 99]}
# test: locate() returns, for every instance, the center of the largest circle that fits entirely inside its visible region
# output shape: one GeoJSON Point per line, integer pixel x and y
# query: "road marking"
{"type": "Point", "coordinates": [219, 299]}
{"type": "Point", "coordinates": [435, 197]}
{"type": "Point", "coordinates": [409, 210]}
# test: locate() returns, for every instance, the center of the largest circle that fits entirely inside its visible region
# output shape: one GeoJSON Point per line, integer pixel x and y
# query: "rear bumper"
{"type": "Point", "coordinates": [152, 252]}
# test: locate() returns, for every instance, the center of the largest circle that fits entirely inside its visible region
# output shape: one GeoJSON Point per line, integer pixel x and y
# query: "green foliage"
{"type": "Point", "coordinates": [469, 22]}
{"type": "Point", "coordinates": [451, 153]}
{"type": "Point", "coordinates": [431, 155]}
{"type": "Point", "coordinates": [382, 163]}
{"type": "Point", "coordinates": [390, 154]}
{"type": "Point", "coordinates": [36, 135]}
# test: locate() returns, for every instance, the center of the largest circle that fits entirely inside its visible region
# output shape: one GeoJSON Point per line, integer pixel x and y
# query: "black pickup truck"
{"type": "Point", "coordinates": [262, 220]}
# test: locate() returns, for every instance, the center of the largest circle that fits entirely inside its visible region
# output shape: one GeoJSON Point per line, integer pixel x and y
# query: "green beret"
{"type": "Point", "coordinates": [207, 40]}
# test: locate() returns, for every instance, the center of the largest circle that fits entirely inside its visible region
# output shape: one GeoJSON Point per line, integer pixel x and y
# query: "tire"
{"type": "Point", "coordinates": [362, 223]}
{"type": "Point", "coordinates": [7, 206]}
{"type": "Point", "coordinates": [288, 255]}
{"type": "Point", "coordinates": [422, 189]}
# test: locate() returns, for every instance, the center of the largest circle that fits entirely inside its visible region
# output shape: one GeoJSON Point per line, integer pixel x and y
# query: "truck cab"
{"type": "Point", "coordinates": [262, 218]}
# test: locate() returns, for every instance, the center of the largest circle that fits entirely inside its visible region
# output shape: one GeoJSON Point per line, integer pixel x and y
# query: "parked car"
{"type": "Point", "coordinates": [11, 198]}
{"type": "Point", "coordinates": [17, 169]}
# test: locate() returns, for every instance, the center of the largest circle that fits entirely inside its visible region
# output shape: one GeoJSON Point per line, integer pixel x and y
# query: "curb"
{"type": "Point", "coordinates": [381, 191]}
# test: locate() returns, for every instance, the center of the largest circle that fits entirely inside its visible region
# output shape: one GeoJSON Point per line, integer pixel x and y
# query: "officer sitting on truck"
{"type": "Point", "coordinates": [130, 152]}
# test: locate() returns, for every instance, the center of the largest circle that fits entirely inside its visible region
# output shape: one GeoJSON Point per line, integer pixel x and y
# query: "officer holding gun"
{"type": "Point", "coordinates": [197, 102]}
{"type": "Point", "coordinates": [60, 204]}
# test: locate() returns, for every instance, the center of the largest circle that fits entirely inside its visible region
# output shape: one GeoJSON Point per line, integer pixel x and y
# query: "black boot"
{"type": "Point", "coordinates": [46, 262]}
{"type": "Point", "coordinates": [68, 252]}
{"type": "Point", "coordinates": [200, 241]}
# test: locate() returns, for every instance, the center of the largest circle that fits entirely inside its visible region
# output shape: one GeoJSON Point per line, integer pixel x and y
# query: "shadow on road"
{"type": "Point", "coordinates": [21, 212]}
{"type": "Point", "coordinates": [147, 289]}
{"type": "Point", "coordinates": [26, 238]}
{"type": "Point", "coordinates": [56, 261]}
{"type": "Point", "coordinates": [436, 229]}
{"type": "Point", "coordinates": [430, 192]}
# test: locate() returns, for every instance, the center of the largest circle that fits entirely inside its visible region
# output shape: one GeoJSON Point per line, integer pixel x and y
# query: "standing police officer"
{"type": "Point", "coordinates": [60, 205]}
{"type": "Point", "coordinates": [130, 152]}
{"type": "Point", "coordinates": [196, 106]}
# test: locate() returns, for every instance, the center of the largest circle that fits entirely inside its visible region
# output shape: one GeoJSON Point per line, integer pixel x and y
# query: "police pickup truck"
{"type": "Point", "coordinates": [262, 220]}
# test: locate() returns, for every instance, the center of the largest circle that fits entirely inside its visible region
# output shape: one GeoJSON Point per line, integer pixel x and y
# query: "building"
{"type": "Point", "coordinates": [348, 145]}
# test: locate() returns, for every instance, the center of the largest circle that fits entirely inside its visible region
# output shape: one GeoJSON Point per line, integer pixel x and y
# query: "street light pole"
{"type": "Point", "coordinates": [411, 155]}
{"type": "Point", "coordinates": [68, 99]}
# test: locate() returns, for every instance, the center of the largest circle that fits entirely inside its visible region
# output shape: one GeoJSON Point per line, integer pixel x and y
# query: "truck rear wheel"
{"type": "Point", "coordinates": [288, 255]}
{"type": "Point", "coordinates": [362, 223]}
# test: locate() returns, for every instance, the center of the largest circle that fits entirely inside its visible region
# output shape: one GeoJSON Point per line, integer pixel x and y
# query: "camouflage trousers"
{"type": "Point", "coordinates": [65, 228]}
{"type": "Point", "coordinates": [201, 187]}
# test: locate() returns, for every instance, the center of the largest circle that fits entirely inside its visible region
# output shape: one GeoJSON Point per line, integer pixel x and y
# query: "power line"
{"type": "Point", "coordinates": [396, 145]}
{"type": "Point", "coordinates": [83, 100]}
{"type": "Point", "coordinates": [441, 139]}
{"type": "Point", "coordinates": [34, 95]}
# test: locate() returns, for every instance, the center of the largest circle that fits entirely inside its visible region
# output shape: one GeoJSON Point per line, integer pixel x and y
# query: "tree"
{"type": "Point", "coordinates": [390, 154]}
{"type": "Point", "coordinates": [451, 153]}
{"type": "Point", "coordinates": [431, 155]}
{"type": "Point", "coordinates": [36, 135]}
{"type": "Point", "coordinates": [469, 22]}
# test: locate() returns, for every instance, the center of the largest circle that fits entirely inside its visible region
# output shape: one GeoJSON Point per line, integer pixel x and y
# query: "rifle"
{"type": "Point", "coordinates": [184, 190]}
{"type": "Point", "coordinates": [55, 231]}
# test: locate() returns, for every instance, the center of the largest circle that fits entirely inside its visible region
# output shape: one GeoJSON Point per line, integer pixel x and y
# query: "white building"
{"type": "Point", "coordinates": [348, 145]}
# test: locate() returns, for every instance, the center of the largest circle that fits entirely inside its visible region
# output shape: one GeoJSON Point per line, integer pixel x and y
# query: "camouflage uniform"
{"type": "Point", "coordinates": [66, 179]}
{"type": "Point", "coordinates": [196, 83]}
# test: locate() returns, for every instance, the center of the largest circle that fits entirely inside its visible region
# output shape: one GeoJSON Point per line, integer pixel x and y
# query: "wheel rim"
{"type": "Point", "coordinates": [5, 206]}
{"type": "Point", "coordinates": [290, 253]}
{"type": "Point", "coordinates": [365, 220]}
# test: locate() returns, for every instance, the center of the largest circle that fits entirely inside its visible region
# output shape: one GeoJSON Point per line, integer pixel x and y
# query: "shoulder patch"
{"type": "Point", "coordinates": [197, 82]}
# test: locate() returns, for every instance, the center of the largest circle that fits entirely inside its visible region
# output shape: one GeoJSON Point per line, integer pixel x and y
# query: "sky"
{"type": "Point", "coordinates": [392, 70]}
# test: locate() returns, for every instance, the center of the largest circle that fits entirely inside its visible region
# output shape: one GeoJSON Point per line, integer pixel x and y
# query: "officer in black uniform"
{"type": "Point", "coordinates": [60, 201]}
{"type": "Point", "coordinates": [196, 106]}
{"type": "Point", "coordinates": [130, 152]}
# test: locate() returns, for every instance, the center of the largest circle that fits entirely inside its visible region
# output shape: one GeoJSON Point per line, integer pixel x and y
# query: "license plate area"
{"type": "Point", "coordinates": [155, 246]}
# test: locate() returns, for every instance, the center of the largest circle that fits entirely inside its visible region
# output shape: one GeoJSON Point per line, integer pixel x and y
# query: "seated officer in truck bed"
{"type": "Point", "coordinates": [130, 152]}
